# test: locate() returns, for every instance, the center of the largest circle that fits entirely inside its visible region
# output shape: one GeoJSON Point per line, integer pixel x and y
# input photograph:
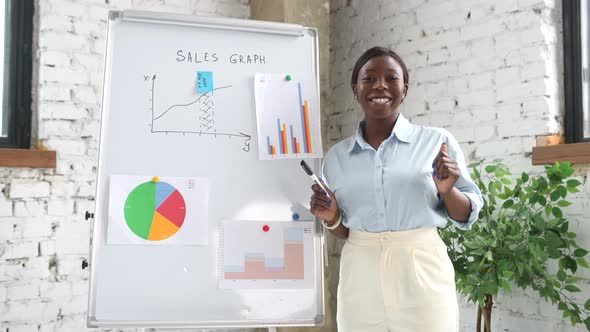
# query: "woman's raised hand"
{"type": "Point", "coordinates": [445, 171]}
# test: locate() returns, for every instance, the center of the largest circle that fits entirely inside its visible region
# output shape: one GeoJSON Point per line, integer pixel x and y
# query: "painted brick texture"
{"type": "Point", "coordinates": [488, 71]}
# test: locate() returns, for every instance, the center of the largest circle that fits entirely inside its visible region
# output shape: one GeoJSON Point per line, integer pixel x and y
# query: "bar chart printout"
{"type": "Point", "coordinates": [287, 116]}
{"type": "Point", "coordinates": [256, 254]}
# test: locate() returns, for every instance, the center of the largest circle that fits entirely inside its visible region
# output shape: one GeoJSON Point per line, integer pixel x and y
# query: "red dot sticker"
{"type": "Point", "coordinates": [265, 228]}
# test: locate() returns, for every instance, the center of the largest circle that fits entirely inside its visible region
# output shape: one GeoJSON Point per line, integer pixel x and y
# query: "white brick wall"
{"type": "Point", "coordinates": [488, 71]}
{"type": "Point", "coordinates": [43, 236]}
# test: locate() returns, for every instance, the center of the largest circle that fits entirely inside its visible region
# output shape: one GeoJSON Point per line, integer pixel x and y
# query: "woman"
{"type": "Point", "coordinates": [392, 184]}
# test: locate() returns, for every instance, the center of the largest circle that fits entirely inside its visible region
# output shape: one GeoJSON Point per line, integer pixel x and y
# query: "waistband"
{"type": "Point", "coordinates": [412, 237]}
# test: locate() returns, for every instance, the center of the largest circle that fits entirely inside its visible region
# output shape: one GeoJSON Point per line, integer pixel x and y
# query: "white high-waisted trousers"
{"type": "Point", "coordinates": [396, 282]}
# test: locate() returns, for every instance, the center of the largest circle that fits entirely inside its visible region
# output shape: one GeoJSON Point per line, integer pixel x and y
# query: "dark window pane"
{"type": "Point", "coordinates": [585, 48]}
{"type": "Point", "coordinates": [5, 65]}
{"type": "Point", "coordinates": [15, 68]}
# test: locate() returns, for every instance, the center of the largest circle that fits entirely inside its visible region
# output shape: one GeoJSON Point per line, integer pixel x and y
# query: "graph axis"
{"type": "Point", "coordinates": [245, 137]}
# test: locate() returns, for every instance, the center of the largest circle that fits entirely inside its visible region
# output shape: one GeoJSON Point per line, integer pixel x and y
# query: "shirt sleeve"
{"type": "Point", "coordinates": [327, 178]}
{"type": "Point", "coordinates": [324, 172]}
{"type": "Point", "coordinates": [464, 184]}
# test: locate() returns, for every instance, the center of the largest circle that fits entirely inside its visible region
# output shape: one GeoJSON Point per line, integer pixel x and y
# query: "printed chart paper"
{"type": "Point", "coordinates": [266, 255]}
{"type": "Point", "coordinates": [287, 117]}
{"type": "Point", "coordinates": [170, 210]}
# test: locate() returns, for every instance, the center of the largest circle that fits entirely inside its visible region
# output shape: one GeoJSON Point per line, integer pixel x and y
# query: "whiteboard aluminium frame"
{"type": "Point", "coordinates": [212, 23]}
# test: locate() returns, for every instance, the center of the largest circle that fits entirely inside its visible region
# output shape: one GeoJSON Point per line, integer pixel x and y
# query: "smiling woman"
{"type": "Point", "coordinates": [390, 186]}
{"type": "Point", "coordinates": [381, 89]}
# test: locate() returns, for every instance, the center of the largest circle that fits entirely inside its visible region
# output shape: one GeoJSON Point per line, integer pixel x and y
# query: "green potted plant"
{"type": "Point", "coordinates": [520, 231]}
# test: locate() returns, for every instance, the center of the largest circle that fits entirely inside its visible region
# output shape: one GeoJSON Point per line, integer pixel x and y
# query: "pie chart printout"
{"type": "Point", "coordinates": [155, 211]}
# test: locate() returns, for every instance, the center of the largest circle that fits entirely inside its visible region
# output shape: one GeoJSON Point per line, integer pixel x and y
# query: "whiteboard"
{"type": "Point", "coordinates": [151, 63]}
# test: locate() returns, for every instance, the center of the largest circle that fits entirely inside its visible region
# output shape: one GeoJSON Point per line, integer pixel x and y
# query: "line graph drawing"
{"type": "Point", "coordinates": [195, 117]}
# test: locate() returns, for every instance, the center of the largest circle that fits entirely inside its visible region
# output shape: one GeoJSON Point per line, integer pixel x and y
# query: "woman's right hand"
{"type": "Point", "coordinates": [323, 206]}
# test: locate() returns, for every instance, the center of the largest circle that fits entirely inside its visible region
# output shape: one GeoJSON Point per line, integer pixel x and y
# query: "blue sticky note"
{"type": "Point", "coordinates": [204, 81]}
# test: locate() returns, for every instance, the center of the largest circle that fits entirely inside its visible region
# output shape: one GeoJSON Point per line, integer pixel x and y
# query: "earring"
{"type": "Point", "coordinates": [356, 97]}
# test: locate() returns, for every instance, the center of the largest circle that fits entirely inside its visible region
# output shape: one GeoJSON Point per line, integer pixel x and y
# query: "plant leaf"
{"type": "Point", "coordinates": [564, 227]}
{"type": "Point", "coordinates": [553, 253]}
{"type": "Point", "coordinates": [573, 183]}
{"type": "Point", "coordinates": [553, 240]}
{"type": "Point", "coordinates": [572, 288]}
{"type": "Point", "coordinates": [580, 252]}
{"type": "Point", "coordinates": [582, 262]}
{"type": "Point", "coordinates": [505, 285]}
{"type": "Point", "coordinates": [548, 210]}
{"type": "Point", "coordinates": [562, 306]}
{"type": "Point", "coordinates": [490, 168]}
{"type": "Point", "coordinates": [561, 275]}
{"type": "Point", "coordinates": [557, 212]}
{"type": "Point", "coordinates": [508, 204]}
{"type": "Point", "coordinates": [571, 280]}
{"type": "Point", "coordinates": [542, 200]}
{"type": "Point", "coordinates": [571, 264]}
{"type": "Point", "coordinates": [543, 185]}
{"type": "Point", "coordinates": [562, 191]}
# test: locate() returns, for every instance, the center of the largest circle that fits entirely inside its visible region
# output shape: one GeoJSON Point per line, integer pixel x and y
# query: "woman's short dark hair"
{"type": "Point", "coordinates": [377, 52]}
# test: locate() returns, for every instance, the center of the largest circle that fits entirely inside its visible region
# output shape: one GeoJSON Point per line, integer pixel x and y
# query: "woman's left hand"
{"type": "Point", "coordinates": [445, 171]}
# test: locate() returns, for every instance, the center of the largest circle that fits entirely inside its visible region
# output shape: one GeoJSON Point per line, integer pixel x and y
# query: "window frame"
{"type": "Point", "coordinates": [572, 51]}
{"type": "Point", "coordinates": [20, 79]}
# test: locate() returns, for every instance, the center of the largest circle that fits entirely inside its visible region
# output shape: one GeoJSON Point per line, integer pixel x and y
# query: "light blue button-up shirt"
{"type": "Point", "coordinates": [391, 189]}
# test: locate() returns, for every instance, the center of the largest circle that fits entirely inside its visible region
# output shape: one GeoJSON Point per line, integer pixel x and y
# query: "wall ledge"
{"type": "Point", "coordinates": [575, 153]}
{"type": "Point", "coordinates": [27, 158]}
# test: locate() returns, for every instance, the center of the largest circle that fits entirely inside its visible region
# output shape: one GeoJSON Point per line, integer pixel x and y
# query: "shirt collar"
{"type": "Point", "coordinates": [403, 130]}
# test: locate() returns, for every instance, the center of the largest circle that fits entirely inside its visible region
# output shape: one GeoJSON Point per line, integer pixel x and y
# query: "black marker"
{"type": "Point", "coordinates": [313, 176]}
